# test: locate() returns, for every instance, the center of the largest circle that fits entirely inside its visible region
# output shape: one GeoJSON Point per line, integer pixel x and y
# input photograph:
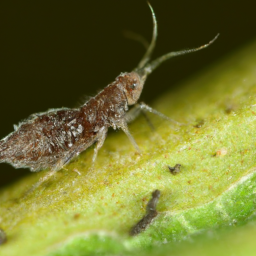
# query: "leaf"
{"type": "Point", "coordinates": [212, 198]}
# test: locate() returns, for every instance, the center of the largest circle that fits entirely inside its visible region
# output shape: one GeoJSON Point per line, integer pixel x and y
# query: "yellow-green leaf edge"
{"type": "Point", "coordinates": [91, 213]}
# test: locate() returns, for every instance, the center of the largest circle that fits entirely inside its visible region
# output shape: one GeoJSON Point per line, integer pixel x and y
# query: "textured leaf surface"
{"type": "Point", "coordinates": [91, 214]}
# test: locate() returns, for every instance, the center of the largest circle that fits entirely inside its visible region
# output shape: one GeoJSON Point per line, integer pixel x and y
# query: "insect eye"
{"type": "Point", "coordinates": [133, 86]}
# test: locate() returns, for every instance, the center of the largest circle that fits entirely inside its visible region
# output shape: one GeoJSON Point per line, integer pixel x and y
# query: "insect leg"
{"type": "Point", "coordinates": [41, 180]}
{"type": "Point", "coordinates": [133, 114]}
{"type": "Point", "coordinates": [101, 136]}
{"type": "Point", "coordinates": [58, 166]}
{"type": "Point", "coordinates": [124, 127]}
{"type": "Point", "coordinates": [69, 156]}
{"type": "Point", "coordinates": [145, 107]}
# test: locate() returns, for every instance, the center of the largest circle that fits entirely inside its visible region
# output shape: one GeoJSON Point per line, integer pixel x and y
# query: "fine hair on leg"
{"type": "Point", "coordinates": [142, 108]}
{"type": "Point", "coordinates": [124, 127]}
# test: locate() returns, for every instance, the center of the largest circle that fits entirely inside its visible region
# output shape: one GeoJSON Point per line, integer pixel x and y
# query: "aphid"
{"type": "Point", "coordinates": [53, 138]}
{"type": "Point", "coordinates": [174, 170]}
{"type": "Point", "coordinates": [150, 215]}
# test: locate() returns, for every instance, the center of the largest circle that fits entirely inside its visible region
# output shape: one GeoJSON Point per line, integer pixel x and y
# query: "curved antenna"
{"type": "Point", "coordinates": [151, 47]}
{"type": "Point", "coordinates": [136, 37]}
{"type": "Point", "coordinates": [148, 68]}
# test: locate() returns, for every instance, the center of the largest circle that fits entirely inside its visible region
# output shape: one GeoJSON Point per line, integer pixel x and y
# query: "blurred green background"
{"type": "Point", "coordinates": [53, 53]}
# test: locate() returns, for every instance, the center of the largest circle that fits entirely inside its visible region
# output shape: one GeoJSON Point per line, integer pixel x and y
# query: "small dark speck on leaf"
{"type": "Point", "coordinates": [220, 152]}
{"type": "Point", "coordinates": [230, 107]}
{"type": "Point", "coordinates": [151, 213]}
{"type": "Point", "coordinates": [174, 170]}
{"type": "Point", "coordinates": [199, 124]}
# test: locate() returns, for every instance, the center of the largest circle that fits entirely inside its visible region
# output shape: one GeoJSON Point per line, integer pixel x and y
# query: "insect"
{"type": "Point", "coordinates": [53, 138]}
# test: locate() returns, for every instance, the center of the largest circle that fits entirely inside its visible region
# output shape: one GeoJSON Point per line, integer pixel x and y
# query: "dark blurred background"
{"type": "Point", "coordinates": [55, 52]}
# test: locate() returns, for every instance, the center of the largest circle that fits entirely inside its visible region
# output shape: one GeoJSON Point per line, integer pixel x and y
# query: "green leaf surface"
{"type": "Point", "coordinates": [203, 210]}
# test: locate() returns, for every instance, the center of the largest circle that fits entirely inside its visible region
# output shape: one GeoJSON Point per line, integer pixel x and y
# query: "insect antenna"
{"type": "Point", "coordinates": [136, 37]}
{"type": "Point", "coordinates": [144, 68]}
{"type": "Point", "coordinates": [151, 47]}
{"type": "Point", "coordinates": [148, 68]}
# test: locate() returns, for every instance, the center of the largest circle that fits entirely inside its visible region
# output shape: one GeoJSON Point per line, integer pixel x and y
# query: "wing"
{"type": "Point", "coordinates": [44, 140]}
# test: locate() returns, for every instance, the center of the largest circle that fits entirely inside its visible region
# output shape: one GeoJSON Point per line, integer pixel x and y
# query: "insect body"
{"type": "Point", "coordinates": [52, 139]}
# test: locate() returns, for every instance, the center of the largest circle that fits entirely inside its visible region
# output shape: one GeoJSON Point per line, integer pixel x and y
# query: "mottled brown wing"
{"type": "Point", "coordinates": [43, 141]}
